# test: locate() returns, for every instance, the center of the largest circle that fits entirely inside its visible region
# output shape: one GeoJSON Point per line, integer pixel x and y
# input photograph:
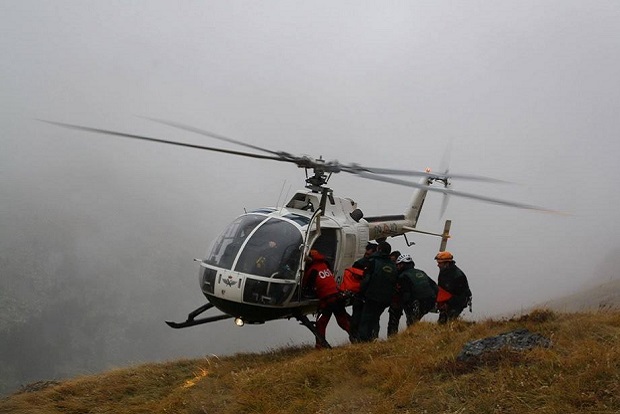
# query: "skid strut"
{"type": "Point", "coordinates": [192, 321]}
{"type": "Point", "coordinates": [303, 319]}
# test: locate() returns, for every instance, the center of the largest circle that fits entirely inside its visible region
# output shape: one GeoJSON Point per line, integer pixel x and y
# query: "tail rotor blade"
{"type": "Point", "coordinates": [444, 205]}
{"type": "Point", "coordinates": [445, 160]}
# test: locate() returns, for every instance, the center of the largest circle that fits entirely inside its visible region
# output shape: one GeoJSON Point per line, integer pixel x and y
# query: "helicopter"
{"type": "Point", "coordinates": [254, 269]}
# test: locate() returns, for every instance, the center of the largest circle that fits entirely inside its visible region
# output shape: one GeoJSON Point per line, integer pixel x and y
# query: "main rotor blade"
{"type": "Point", "coordinates": [211, 135]}
{"type": "Point", "coordinates": [455, 193]}
{"type": "Point", "coordinates": [413, 173]}
{"type": "Point", "coordinates": [305, 162]}
{"type": "Point", "coordinates": [300, 161]}
{"type": "Point", "coordinates": [162, 141]}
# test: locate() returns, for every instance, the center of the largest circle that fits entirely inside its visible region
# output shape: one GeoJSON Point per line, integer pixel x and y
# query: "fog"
{"type": "Point", "coordinates": [98, 233]}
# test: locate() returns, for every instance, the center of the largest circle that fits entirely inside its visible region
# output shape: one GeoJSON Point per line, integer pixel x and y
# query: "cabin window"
{"type": "Point", "coordinates": [266, 293]}
{"type": "Point", "coordinates": [301, 220]}
{"type": "Point", "coordinates": [327, 244]}
{"type": "Point", "coordinates": [303, 201]}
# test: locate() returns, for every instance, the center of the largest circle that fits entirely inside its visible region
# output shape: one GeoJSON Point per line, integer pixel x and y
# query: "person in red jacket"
{"type": "Point", "coordinates": [319, 279]}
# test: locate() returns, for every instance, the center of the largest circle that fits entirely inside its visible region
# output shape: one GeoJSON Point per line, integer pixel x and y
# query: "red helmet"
{"type": "Point", "coordinates": [316, 255]}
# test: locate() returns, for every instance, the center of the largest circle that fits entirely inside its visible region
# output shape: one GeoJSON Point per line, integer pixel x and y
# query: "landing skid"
{"type": "Point", "coordinates": [192, 321]}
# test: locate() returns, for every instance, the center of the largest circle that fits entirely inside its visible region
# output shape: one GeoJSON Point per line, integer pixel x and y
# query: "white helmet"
{"type": "Point", "coordinates": [404, 258]}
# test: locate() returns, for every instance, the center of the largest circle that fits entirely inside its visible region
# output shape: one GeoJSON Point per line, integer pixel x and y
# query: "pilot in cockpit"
{"type": "Point", "coordinates": [267, 260]}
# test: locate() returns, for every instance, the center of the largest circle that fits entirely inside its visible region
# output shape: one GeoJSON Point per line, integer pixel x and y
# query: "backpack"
{"type": "Point", "coordinates": [443, 295]}
{"type": "Point", "coordinates": [351, 279]}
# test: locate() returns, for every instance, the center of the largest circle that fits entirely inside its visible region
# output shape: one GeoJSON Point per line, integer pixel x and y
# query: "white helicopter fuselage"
{"type": "Point", "coordinates": [254, 269]}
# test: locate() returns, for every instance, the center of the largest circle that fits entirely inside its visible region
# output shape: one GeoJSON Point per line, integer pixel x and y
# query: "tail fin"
{"type": "Point", "coordinates": [412, 214]}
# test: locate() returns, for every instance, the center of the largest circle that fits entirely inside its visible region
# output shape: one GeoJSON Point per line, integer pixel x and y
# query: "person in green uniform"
{"type": "Point", "coordinates": [377, 288]}
{"type": "Point", "coordinates": [417, 293]}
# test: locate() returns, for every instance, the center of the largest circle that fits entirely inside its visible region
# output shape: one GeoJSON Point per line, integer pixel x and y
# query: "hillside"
{"type": "Point", "coordinates": [416, 371]}
{"type": "Point", "coordinates": [602, 295]}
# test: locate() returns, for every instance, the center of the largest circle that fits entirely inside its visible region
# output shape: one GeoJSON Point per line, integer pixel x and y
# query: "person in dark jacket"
{"type": "Point", "coordinates": [362, 262]}
{"type": "Point", "coordinates": [416, 296]}
{"type": "Point", "coordinates": [452, 280]}
{"type": "Point", "coordinates": [357, 302]}
{"type": "Point", "coordinates": [319, 278]}
{"type": "Point", "coordinates": [394, 256]}
{"type": "Point", "coordinates": [377, 289]}
{"type": "Point", "coordinates": [395, 310]}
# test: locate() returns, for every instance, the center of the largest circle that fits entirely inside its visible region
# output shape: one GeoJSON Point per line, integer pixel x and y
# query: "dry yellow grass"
{"type": "Point", "coordinates": [414, 372]}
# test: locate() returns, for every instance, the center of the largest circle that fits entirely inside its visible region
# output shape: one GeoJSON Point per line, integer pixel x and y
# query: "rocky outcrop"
{"type": "Point", "coordinates": [517, 340]}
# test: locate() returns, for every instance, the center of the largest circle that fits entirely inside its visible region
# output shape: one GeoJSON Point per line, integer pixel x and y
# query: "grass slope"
{"type": "Point", "coordinates": [414, 372]}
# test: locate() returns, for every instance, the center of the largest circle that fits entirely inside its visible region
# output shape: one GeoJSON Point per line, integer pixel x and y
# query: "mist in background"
{"type": "Point", "coordinates": [98, 234]}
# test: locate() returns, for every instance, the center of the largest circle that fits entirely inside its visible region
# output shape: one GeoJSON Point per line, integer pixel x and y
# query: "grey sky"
{"type": "Point", "coordinates": [526, 91]}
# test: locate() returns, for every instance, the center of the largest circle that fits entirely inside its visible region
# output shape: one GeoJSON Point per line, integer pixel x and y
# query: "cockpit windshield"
{"type": "Point", "coordinates": [256, 245]}
{"type": "Point", "coordinates": [227, 246]}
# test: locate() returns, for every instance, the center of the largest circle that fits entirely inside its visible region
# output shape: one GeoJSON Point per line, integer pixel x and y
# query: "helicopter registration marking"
{"type": "Point", "coordinates": [383, 230]}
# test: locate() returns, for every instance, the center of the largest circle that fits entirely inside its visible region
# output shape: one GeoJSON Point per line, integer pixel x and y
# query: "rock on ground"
{"type": "Point", "coordinates": [517, 340]}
